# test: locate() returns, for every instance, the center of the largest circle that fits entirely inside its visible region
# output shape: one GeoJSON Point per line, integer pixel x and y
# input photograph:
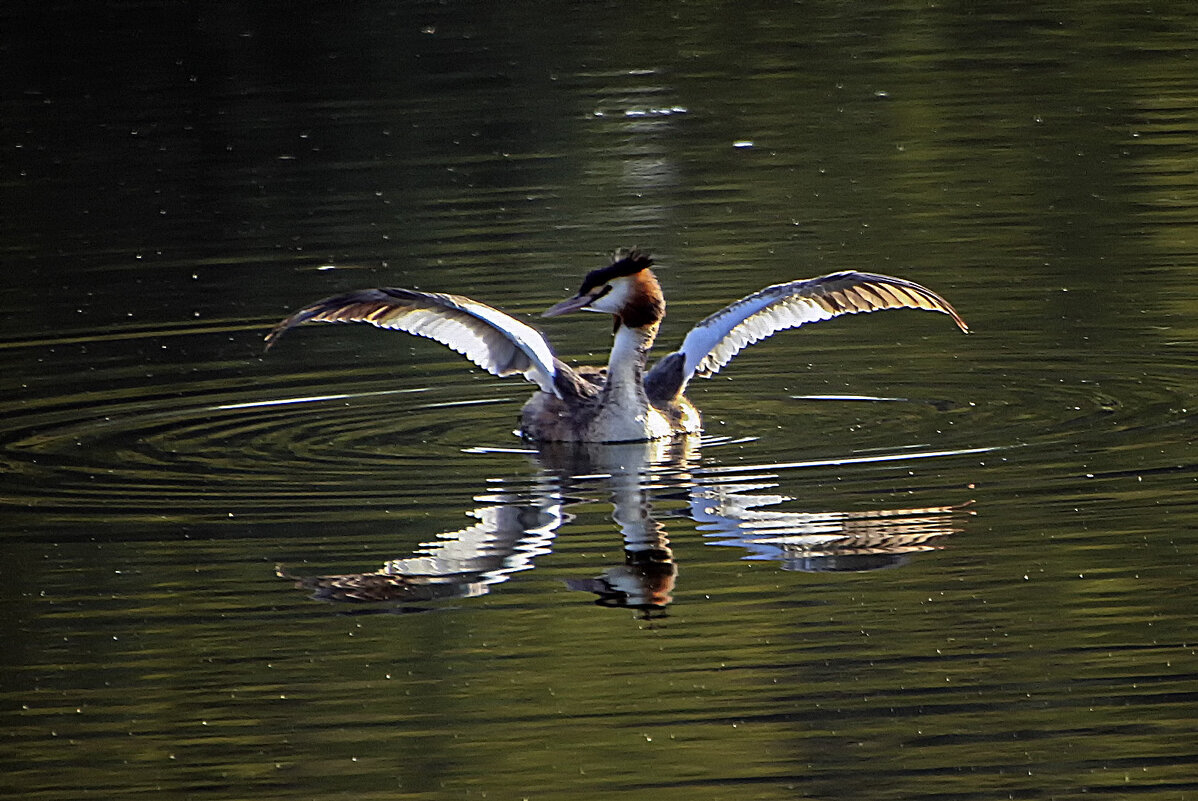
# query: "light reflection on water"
{"type": "Point", "coordinates": [726, 504]}
{"type": "Point", "coordinates": [171, 196]}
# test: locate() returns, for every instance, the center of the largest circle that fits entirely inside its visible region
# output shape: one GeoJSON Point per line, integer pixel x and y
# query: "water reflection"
{"type": "Point", "coordinates": [728, 505]}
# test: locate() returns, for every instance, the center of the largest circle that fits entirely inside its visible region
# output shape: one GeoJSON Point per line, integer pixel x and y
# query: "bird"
{"type": "Point", "coordinates": [624, 401]}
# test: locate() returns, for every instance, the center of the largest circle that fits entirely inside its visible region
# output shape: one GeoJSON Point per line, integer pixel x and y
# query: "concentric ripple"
{"type": "Point", "coordinates": [313, 446]}
{"type": "Point", "coordinates": [1041, 410]}
{"type": "Point", "coordinates": [196, 452]}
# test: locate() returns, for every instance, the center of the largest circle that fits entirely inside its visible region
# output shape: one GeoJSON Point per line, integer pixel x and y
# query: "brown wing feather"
{"type": "Point", "coordinates": [495, 341]}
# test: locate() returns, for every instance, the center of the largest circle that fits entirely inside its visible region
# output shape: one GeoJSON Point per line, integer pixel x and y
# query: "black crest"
{"type": "Point", "coordinates": [624, 262]}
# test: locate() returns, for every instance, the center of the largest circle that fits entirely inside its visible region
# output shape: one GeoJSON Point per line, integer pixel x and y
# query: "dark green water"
{"type": "Point", "coordinates": [980, 587]}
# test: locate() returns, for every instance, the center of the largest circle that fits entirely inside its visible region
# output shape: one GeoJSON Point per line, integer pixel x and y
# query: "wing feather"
{"type": "Point", "coordinates": [495, 341]}
{"type": "Point", "coordinates": [714, 341]}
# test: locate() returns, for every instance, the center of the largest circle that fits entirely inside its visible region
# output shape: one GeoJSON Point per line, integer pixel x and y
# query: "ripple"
{"type": "Point", "coordinates": [165, 452]}
{"type": "Point", "coordinates": [284, 448]}
{"type": "Point", "coordinates": [1042, 409]}
{"type": "Point", "coordinates": [1091, 425]}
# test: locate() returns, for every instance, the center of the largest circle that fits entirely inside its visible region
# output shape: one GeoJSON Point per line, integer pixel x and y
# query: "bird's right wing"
{"type": "Point", "coordinates": [495, 341]}
{"type": "Point", "coordinates": [714, 341]}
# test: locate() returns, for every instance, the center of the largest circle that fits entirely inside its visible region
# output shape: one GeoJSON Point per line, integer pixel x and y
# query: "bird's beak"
{"type": "Point", "coordinates": [568, 305]}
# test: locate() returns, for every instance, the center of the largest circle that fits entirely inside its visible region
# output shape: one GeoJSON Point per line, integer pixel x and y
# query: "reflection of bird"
{"type": "Point", "coordinates": [622, 402]}
{"type": "Point", "coordinates": [647, 483]}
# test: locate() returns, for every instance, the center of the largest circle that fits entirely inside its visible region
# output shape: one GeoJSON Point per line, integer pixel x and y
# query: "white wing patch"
{"type": "Point", "coordinates": [495, 341]}
{"type": "Point", "coordinates": [714, 341]}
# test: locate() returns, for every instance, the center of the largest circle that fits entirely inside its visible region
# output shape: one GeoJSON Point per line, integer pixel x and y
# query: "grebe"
{"type": "Point", "coordinates": [623, 402]}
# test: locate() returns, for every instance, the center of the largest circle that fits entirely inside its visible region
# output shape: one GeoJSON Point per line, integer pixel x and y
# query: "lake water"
{"type": "Point", "coordinates": [901, 562]}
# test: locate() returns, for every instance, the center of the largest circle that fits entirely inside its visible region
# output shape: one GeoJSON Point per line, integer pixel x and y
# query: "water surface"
{"type": "Point", "coordinates": [901, 563]}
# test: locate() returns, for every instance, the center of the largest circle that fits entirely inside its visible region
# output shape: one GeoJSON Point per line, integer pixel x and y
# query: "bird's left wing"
{"type": "Point", "coordinates": [495, 341]}
{"type": "Point", "coordinates": [713, 342]}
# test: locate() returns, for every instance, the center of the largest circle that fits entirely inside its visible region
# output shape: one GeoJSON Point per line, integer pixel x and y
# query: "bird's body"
{"type": "Point", "coordinates": [624, 401]}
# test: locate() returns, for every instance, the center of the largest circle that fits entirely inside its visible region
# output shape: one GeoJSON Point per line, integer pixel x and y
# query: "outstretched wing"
{"type": "Point", "coordinates": [713, 342]}
{"type": "Point", "coordinates": [496, 342]}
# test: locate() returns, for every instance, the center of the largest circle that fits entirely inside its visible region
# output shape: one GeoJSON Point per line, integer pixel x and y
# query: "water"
{"type": "Point", "coordinates": [901, 563]}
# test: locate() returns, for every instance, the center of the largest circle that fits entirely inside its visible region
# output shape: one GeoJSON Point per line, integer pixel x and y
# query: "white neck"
{"type": "Point", "coordinates": [624, 412]}
{"type": "Point", "coordinates": [625, 387]}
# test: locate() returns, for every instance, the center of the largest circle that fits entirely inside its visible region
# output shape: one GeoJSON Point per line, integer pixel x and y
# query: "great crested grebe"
{"type": "Point", "coordinates": [622, 403]}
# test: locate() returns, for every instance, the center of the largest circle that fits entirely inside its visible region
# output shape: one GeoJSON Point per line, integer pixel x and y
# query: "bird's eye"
{"type": "Point", "coordinates": [602, 292]}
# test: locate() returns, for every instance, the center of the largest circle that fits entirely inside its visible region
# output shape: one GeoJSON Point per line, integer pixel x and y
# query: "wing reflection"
{"type": "Point", "coordinates": [514, 528]}
{"type": "Point", "coordinates": [817, 541]}
{"type": "Point", "coordinates": [461, 564]}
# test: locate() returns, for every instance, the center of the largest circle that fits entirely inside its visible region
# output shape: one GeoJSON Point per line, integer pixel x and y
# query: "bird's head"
{"type": "Point", "coordinates": [626, 288]}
